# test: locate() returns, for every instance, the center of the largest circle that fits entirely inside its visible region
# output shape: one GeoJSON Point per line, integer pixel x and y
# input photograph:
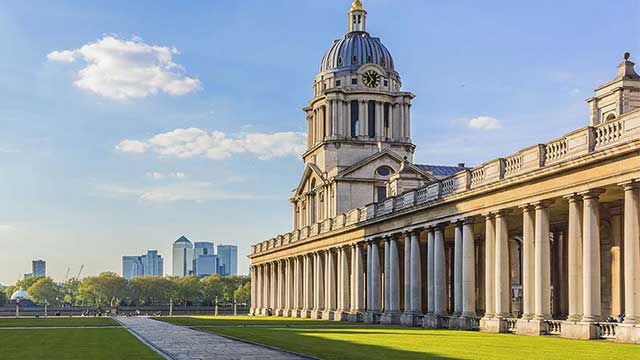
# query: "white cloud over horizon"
{"type": "Point", "coordinates": [216, 145]}
{"type": "Point", "coordinates": [484, 123]}
{"type": "Point", "coordinates": [198, 192]}
{"type": "Point", "coordinates": [7, 228]}
{"type": "Point", "coordinates": [127, 69]}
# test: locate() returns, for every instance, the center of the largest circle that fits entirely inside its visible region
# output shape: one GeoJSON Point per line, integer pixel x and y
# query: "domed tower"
{"type": "Point", "coordinates": [358, 126]}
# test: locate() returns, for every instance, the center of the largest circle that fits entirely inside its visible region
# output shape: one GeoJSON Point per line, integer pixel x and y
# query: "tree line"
{"type": "Point", "coordinates": [110, 288]}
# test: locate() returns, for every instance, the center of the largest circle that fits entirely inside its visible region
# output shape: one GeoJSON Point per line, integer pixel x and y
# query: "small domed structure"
{"type": "Point", "coordinates": [20, 295]}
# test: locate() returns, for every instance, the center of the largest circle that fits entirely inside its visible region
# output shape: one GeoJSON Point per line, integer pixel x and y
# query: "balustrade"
{"type": "Point", "coordinates": [512, 165]}
{"type": "Point", "coordinates": [511, 324]}
{"type": "Point", "coordinates": [555, 326]}
{"type": "Point", "coordinates": [477, 177]}
{"type": "Point", "coordinates": [607, 330]}
{"type": "Point", "coordinates": [608, 133]}
{"type": "Point", "coordinates": [556, 150]}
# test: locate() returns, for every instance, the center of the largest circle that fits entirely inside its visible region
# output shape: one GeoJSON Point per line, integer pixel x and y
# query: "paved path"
{"type": "Point", "coordinates": [182, 343]}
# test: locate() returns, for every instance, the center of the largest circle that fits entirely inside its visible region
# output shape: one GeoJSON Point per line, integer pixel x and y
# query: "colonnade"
{"type": "Point", "coordinates": [406, 277]}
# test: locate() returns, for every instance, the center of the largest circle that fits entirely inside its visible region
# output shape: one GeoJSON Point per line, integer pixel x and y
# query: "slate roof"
{"type": "Point", "coordinates": [441, 171]}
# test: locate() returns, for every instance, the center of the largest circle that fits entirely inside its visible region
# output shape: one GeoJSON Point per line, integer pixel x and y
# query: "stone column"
{"type": "Point", "coordinates": [440, 301]}
{"type": "Point", "coordinates": [359, 282]}
{"type": "Point", "coordinates": [344, 283]}
{"type": "Point", "coordinates": [528, 262]}
{"type": "Point", "coordinates": [631, 253]}
{"type": "Point", "coordinates": [489, 267]}
{"type": "Point", "coordinates": [254, 285]}
{"type": "Point", "coordinates": [502, 283]}
{"type": "Point", "coordinates": [330, 286]}
{"type": "Point", "coordinates": [468, 272]}
{"type": "Point", "coordinates": [279, 287]}
{"type": "Point", "coordinates": [457, 269]}
{"type": "Point", "coordinates": [574, 258]}
{"type": "Point", "coordinates": [288, 293]}
{"type": "Point", "coordinates": [386, 280]}
{"type": "Point", "coordinates": [591, 256]}
{"type": "Point", "coordinates": [430, 269]}
{"type": "Point", "coordinates": [318, 286]}
{"type": "Point", "coordinates": [375, 281]}
{"type": "Point", "coordinates": [542, 263]}
{"type": "Point", "coordinates": [392, 313]}
{"type": "Point", "coordinates": [416, 273]}
{"type": "Point", "coordinates": [369, 278]}
{"type": "Point", "coordinates": [407, 272]}
{"type": "Point", "coordinates": [617, 268]}
{"type": "Point", "coordinates": [265, 289]}
{"type": "Point", "coordinates": [298, 286]}
{"type": "Point", "coordinates": [273, 290]}
{"type": "Point", "coordinates": [307, 292]}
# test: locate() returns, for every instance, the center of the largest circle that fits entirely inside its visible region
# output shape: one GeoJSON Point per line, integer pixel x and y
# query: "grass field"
{"type": "Point", "coordinates": [336, 341]}
{"type": "Point", "coordinates": [56, 321]}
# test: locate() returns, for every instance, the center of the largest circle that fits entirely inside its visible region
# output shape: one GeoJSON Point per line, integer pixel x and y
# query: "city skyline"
{"type": "Point", "coordinates": [92, 171]}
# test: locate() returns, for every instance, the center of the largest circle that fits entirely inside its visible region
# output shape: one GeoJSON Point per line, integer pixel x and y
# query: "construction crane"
{"type": "Point", "coordinates": [79, 272]}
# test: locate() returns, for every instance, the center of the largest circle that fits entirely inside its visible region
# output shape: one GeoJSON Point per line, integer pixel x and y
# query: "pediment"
{"type": "Point", "coordinates": [366, 168]}
{"type": "Point", "coordinates": [310, 171]}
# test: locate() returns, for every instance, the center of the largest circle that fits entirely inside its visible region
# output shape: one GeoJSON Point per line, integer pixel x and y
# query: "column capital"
{"type": "Point", "coordinates": [630, 185]}
{"type": "Point", "coordinates": [526, 207]}
{"type": "Point", "coordinates": [572, 198]}
{"type": "Point", "coordinates": [501, 213]}
{"type": "Point", "coordinates": [470, 220]}
{"type": "Point", "coordinates": [542, 204]}
{"type": "Point", "coordinates": [592, 193]}
{"type": "Point", "coordinates": [439, 226]}
{"type": "Point", "coordinates": [488, 216]}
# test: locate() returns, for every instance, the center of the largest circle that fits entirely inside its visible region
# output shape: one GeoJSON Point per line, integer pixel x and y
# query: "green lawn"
{"type": "Point", "coordinates": [56, 321]}
{"type": "Point", "coordinates": [58, 344]}
{"type": "Point", "coordinates": [247, 320]}
{"type": "Point", "coordinates": [335, 341]}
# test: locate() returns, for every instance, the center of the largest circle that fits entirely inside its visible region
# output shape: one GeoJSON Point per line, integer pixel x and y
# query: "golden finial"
{"type": "Point", "coordinates": [357, 5]}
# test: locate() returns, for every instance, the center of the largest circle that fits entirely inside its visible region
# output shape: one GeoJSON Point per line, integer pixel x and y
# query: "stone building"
{"type": "Point", "coordinates": [543, 241]}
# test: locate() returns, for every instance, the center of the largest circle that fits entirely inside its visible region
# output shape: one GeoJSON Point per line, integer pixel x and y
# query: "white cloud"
{"type": "Point", "coordinates": [162, 176]}
{"type": "Point", "coordinates": [484, 123]}
{"type": "Point", "coordinates": [194, 142]}
{"type": "Point", "coordinates": [191, 191]}
{"type": "Point", "coordinates": [124, 69]}
{"type": "Point", "coordinates": [7, 228]}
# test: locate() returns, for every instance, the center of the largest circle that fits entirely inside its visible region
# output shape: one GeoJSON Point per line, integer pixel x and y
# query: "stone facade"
{"type": "Point", "coordinates": [544, 241]}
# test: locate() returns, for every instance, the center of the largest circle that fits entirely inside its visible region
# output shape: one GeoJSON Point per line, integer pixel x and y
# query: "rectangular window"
{"type": "Point", "coordinates": [338, 82]}
{"type": "Point", "coordinates": [382, 193]}
{"type": "Point", "coordinates": [386, 83]}
{"type": "Point", "coordinates": [354, 81]}
{"type": "Point", "coordinates": [355, 123]}
{"type": "Point", "coordinates": [387, 132]}
{"type": "Point", "coordinates": [372, 119]}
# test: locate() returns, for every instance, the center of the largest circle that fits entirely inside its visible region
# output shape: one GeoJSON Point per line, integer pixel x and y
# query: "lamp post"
{"type": "Point", "coordinates": [216, 308]}
{"type": "Point", "coordinates": [17, 307]}
{"type": "Point", "coordinates": [235, 306]}
{"type": "Point", "coordinates": [170, 306]}
{"type": "Point", "coordinates": [45, 307]}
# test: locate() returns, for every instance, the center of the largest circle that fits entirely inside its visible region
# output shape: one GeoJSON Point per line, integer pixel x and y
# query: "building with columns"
{"type": "Point", "coordinates": [545, 241]}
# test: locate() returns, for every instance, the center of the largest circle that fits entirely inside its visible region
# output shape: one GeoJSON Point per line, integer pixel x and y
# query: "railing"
{"type": "Point", "coordinates": [445, 322]}
{"type": "Point", "coordinates": [607, 330]}
{"type": "Point", "coordinates": [475, 323]}
{"type": "Point", "coordinates": [575, 144]}
{"type": "Point", "coordinates": [555, 326]}
{"type": "Point", "coordinates": [511, 324]}
{"type": "Point", "coordinates": [608, 133]}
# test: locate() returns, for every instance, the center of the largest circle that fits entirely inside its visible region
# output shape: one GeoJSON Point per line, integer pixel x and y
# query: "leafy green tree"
{"type": "Point", "coordinates": [8, 291]}
{"type": "Point", "coordinates": [243, 293]}
{"type": "Point", "coordinates": [149, 290]}
{"type": "Point", "coordinates": [26, 283]}
{"type": "Point", "coordinates": [45, 290]}
{"type": "Point", "coordinates": [185, 290]}
{"type": "Point", "coordinates": [3, 297]}
{"type": "Point", "coordinates": [70, 291]}
{"type": "Point", "coordinates": [212, 288]}
{"type": "Point", "coordinates": [102, 289]}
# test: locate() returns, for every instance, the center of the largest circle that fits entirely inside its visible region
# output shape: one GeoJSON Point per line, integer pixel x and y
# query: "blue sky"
{"type": "Point", "coordinates": [237, 73]}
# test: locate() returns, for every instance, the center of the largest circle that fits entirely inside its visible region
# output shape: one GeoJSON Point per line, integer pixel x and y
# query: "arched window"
{"type": "Point", "coordinates": [610, 117]}
{"type": "Point", "coordinates": [371, 121]}
{"type": "Point", "coordinates": [312, 204]}
{"type": "Point", "coordinates": [355, 118]}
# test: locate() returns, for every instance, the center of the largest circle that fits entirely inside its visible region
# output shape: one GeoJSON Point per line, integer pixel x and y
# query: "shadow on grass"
{"type": "Point", "coordinates": [327, 344]}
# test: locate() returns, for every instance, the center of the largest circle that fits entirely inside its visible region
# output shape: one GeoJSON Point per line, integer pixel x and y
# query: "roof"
{"type": "Point", "coordinates": [183, 239]}
{"type": "Point", "coordinates": [354, 50]}
{"type": "Point", "coordinates": [441, 171]}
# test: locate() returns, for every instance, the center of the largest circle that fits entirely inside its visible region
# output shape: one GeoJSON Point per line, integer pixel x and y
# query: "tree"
{"type": "Point", "coordinates": [70, 291]}
{"type": "Point", "coordinates": [45, 291]}
{"type": "Point", "coordinates": [8, 291]}
{"type": "Point", "coordinates": [185, 289]}
{"type": "Point", "coordinates": [149, 290]}
{"type": "Point", "coordinates": [212, 288]}
{"type": "Point", "coordinates": [3, 298]}
{"type": "Point", "coordinates": [102, 289]}
{"type": "Point", "coordinates": [243, 293]}
{"type": "Point", "coordinates": [26, 283]}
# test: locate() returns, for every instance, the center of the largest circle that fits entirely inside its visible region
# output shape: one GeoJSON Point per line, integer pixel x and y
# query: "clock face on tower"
{"type": "Point", "coordinates": [371, 79]}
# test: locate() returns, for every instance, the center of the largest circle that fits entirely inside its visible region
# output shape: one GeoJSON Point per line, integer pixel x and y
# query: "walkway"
{"type": "Point", "coordinates": [182, 343]}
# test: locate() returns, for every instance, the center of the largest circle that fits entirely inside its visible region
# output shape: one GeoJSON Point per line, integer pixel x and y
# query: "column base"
{"type": "Point", "coordinates": [390, 318]}
{"type": "Point", "coordinates": [454, 323]}
{"type": "Point", "coordinates": [316, 314]}
{"type": "Point", "coordinates": [493, 325]}
{"type": "Point", "coordinates": [328, 315]}
{"type": "Point", "coordinates": [288, 313]}
{"type": "Point", "coordinates": [278, 312]}
{"type": "Point", "coordinates": [341, 315]}
{"type": "Point", "coordinates": [372, 317]}
{"type": "Point", "coordinates": [579, 330]}
{"type": "Point", "coordinates": [431, 321]}
{"type": "Point", "coordinates": [354, 317]}
{"type": "Point", "coordinates": [409, 319]}
{"type": "Point", "coordinates": [305, 314]}
{"type": "Point", "coordinates": [628, 333]}
{"type": "Point", "coordinates": [531, 327]}
{"type": "Point", "coordinates": [466, 323]}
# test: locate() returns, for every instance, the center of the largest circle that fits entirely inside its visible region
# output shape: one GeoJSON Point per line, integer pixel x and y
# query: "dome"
{"type": "Point", "coordinates": [354, 50]}
{"type": "Point", "coordinates": [20, 295]}
{"type": "Point", "coordinates": [182, 240]}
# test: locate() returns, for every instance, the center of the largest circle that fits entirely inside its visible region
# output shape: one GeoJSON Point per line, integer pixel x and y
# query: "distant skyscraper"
{"type": "Point", "coordinates": [149, 264]}
{"type": "Point", "coordinates": [227, 260]}
{"type": "Point", "coordinates": [182, 257]}
{"type": "Point", "coordinates": [205, 262]}
{"type": "Point", "coordinates": [39, 268]}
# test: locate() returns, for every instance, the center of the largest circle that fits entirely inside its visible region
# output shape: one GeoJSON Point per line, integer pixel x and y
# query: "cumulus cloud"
{"type": "Point", "coordinates": [194, 191]}
{"type": "Point", "coordinates": [195, 142]}
{"type": "Point", "coordinates": [125, 69]}
{"type": "Point", "coordinates": [484, 123]}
